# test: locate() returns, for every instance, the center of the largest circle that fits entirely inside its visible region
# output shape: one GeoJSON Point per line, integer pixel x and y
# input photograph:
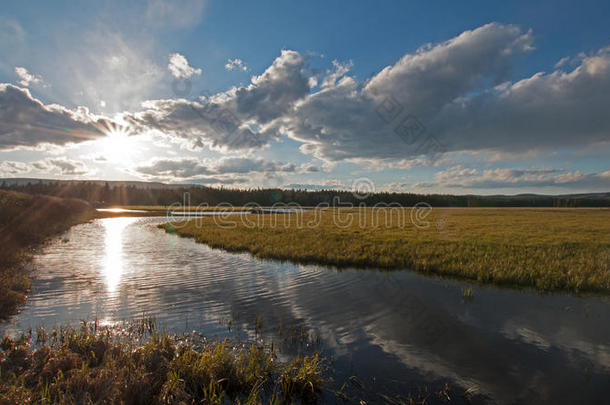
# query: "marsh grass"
{"type": "Point", "coordinates": [140, 365]}
{"type": "Point", "coordinates": [549, 249]}
{"type": "Point", "coordinates": [25, 222]}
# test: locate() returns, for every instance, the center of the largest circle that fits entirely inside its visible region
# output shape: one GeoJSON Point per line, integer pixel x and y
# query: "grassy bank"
{"type": "Point", "coordinates": [25, 222]}
{"type": "Point", "coordinates": [550, 249]}
{"type": "Point", "coordinates": [138, 365]}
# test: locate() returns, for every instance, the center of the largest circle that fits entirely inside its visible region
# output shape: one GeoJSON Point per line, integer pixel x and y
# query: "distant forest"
{"type": "Point", "coordinates": [105, 194]}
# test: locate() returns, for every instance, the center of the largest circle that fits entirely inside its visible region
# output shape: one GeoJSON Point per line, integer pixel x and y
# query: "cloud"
{"type": "Point", "coordinates": [60, 165]}
{"type": "Point", "coordinates": [26, 122]}
{"type": "Point", "coordinates": [236, 64]}
{"type": "Point", "coordinates": [228, 121]}
{"type": "Point", "coordinates": [184, 169]}
{"type": "Point", "coordinates": [454, 97]}
{"type": "Point", "coordinates": [179, 67]}
{"type": "Point", "coordinates": [462, 177]}
{"type": "Point", "coordinates": [26, 78]}
{"type": "Point", "coordinates": [341, 69]}
{"type": "Point", "coordinates": [177, 14]}
{"type": "Point", "coordinates": [544, 111]}
{"type": "Point", "coordinates": [9, 168]}
{"type": "Point", "coordinates": [173, 168]}
{"type": "Point", "coordinates": [343, 120]}
{"type": "Point", "coordinates": [109, 65]}
{"type": "Point", "coordinates": [63, 166]}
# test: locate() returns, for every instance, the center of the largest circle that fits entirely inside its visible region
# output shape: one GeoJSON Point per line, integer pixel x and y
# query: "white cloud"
{"type": "Point", "coordinates": [174, 14]}
{"type": "Point", "coordinates": [26, 78]}
{"type": "Point", "coordinates": [341, 69]}
{"type": "Point", "coordinates": [236, 64]}
{"type": "Point", "coordinates": [179, 67]}
{"type": "Point", "coordinates": [107, 65]}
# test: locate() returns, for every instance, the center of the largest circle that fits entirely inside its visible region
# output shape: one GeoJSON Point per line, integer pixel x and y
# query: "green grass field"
{"type": "Point", "coordinates": [549, 249]}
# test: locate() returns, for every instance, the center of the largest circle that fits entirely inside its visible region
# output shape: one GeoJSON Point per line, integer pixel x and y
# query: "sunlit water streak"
{"type": "Point", "coordinates": [396, 331]}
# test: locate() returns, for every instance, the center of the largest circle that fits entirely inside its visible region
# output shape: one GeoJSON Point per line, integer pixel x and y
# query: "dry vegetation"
{"type": "Point", "coordinates": [138, 365]}
{"type": "Point", "coordinates": [26, 221]}
{"type": "Point", "coordinates": [550, 249]}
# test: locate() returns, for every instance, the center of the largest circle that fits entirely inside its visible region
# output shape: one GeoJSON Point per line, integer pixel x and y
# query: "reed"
{"type": "Point", "coordinates": [137, 364]}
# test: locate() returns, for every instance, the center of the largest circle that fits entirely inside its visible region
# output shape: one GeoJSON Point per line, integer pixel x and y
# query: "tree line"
{"type": "Point", "coordinates": [105, 194]}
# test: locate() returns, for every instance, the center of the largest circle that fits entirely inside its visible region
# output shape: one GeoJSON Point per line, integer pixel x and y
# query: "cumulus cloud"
{"type": "Point", "coordinates": [228, 120]}
{"type": "Point", "coordinates": [27, 122]}
{"type": "Point", "coordinates": [236, 64]}
{"type": "Point", "coordinates": [453, 97]}
{"type": "Point", "coordinates": [179, 67]}
{"type": "Point", "coordinates": [26, 78]}
{"type": "Point", "coordinates": [348, 119]}
{"type": "Point", "coordinates": [463, 177]}
{"type": "Point", "coordinates": [543, 111]}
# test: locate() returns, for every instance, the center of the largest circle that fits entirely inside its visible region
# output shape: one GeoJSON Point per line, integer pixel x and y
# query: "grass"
{"type": "Point", "coordinates": [139, 365]}
{"type": "Point", "coordinates": [549, 249]}
{"type": "Point", "coordinates": [25, 222]}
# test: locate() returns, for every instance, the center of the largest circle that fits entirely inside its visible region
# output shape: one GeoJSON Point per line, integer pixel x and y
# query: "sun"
{"type": "Point", "coordinates": [118, 147]}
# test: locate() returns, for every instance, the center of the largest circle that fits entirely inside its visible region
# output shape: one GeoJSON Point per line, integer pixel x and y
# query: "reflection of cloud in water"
{"type": "Point", "coordinates": [513, 345]}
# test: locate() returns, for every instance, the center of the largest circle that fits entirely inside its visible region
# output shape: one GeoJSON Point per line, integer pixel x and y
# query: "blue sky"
{"type": "Point", "coordinates": [512, 95]}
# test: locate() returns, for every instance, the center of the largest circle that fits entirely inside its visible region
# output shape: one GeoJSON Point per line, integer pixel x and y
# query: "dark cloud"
{"type": "Point", "coordinates": [26, 122]}
{"type": "Point", "coordinates": [226, 169]}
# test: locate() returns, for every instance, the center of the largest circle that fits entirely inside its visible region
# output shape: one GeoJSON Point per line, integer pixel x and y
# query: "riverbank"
{"type": "Point", "coordinates": [549, 249]}
{"type": "Point", "coordinates": [136, 364]}
{"type": "Point", "coordinates": [26, 221]}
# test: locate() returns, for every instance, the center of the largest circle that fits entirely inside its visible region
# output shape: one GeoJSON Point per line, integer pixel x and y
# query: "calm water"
{"type": "Point", "coordinates": [394, 331]}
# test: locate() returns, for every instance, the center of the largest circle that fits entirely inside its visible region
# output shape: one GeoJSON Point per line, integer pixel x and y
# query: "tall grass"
{"type": "Point", "coordinates": [26, 221]}
{"type": "Point", "coordinates": [549, 249]}
{"type": "Point", "coordinates": [140, 365]}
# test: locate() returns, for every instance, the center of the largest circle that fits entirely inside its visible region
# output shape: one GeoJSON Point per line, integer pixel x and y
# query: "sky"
{"type": "Point", "coordinates": [427, 97]}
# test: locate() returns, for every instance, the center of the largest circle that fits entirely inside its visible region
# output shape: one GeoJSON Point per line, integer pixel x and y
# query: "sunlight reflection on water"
{"type": "Point", "coordinates": [113, 260]}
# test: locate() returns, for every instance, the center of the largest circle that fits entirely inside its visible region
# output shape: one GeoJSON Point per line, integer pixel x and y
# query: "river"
{"type": "Point", "coordinates": [396, 332]}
